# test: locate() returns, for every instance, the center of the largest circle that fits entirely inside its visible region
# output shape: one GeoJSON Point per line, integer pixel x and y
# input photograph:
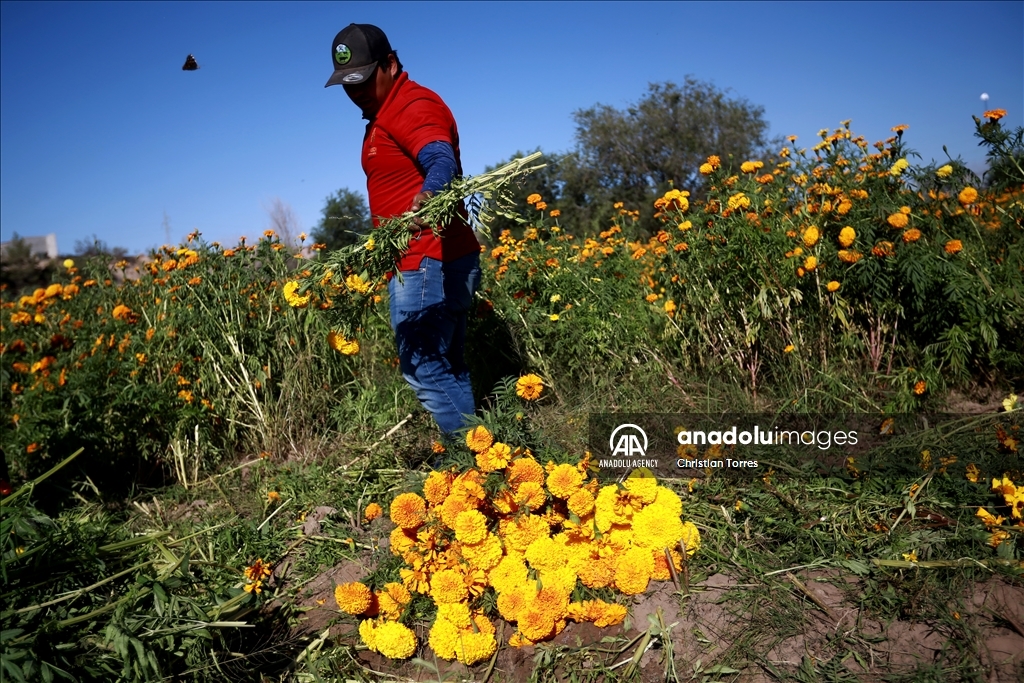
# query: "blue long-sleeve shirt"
{"type": "Point", "coordinates": [438, 160]}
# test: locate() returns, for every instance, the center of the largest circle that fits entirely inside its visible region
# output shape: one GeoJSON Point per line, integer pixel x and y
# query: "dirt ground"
{"type": "Point", "coordinates": [713, 625]}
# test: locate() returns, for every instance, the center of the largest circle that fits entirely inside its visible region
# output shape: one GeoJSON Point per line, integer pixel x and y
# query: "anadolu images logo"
{"type": "Point", "coordinates": [342, 54]}
{"type": "Point", "coordinates": [628, 443]}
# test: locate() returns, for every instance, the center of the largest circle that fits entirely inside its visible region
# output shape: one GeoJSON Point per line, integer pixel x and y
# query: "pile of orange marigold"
{"type": "Point", "coordinates": [531, 533]}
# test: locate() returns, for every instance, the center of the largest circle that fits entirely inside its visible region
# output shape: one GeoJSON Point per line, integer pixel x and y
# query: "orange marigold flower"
{"type": "Point", "coordinates": [994, 114]}
{"type": "Point", "coordinates": [846, 236]}
{"type": "Point", "coordinates": [533, 198]}
{"type": "Point", "coordinates": [810, 236]}
{"type": "Point", "coordinates": [920, 387]}
{"type": "Point", "coordinates": [408, 511]}
{"type": "Point", "coordinates": [479, 439]}
{"type": "Point", "coordinates": [882, 249]}
{"type": "Point", "coordinates": [436, 487]}
{"type": "Point", "coordinates": [911, 235]}
{"type": "Point", "coordinates": [470, 527]}
{"type": "Point", "coordinates": [898, 220]}
{"type": "Point", "coordinates": [833, 286]}
{"type": "Point", "coordinates": [353, 597]}
{"type": "Point", "coordinates": [529, 387]}
{"type": "Point", "coordinates": [564, 481]}
{"type": "Point", "coordinates": [554, 213]}
{"type": "Point", "coordinates": [954, 247]}
{"type": "Point", "coordinates": [968, 195]}
{"type": "Point", "coordinates": [373, 511]}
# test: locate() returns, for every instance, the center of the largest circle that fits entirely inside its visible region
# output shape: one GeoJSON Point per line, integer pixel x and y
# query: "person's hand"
{"type": "Point", "coordinates": [417, 203]}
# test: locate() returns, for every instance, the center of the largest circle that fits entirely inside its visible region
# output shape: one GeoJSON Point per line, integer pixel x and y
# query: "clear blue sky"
{"type": "Point", "coordinates": [101, 132]}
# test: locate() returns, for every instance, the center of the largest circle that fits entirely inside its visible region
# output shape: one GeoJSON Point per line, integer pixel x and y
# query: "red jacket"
{"type": "Point", "coordinates": [410, 118]}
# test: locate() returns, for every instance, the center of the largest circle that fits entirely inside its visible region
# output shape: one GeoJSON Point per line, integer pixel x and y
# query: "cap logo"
{"type": "Point", "coordinates": [352, 78]}
{"type": "Point", "coordinates": [342, 54]}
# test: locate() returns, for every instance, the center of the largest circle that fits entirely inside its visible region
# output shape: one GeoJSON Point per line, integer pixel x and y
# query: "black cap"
{"type": "Point", "coordinates": [355, 52]}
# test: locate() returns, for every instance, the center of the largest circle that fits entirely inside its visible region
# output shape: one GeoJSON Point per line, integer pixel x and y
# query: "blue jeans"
{"type": "Point", "coordinates": [428, 315]}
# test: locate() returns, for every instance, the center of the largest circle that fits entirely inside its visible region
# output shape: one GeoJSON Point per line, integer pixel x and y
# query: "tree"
{"type": "Point", "coordinates": [283, 221]}
{"type": "Point", "coordinates": [635, 154]}
{"type": "Point", "coordinates": [21, 269]}
{"type": "Point", "coordinates": [345, 215]}
{"type": "Point", "coordinates": [666, 136]}
{"type": "Point", "coordinates": [96, 247]}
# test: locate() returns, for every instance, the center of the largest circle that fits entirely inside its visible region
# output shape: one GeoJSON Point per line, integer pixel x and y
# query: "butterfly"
{"type": "Point", "coordinates": [190, 64]}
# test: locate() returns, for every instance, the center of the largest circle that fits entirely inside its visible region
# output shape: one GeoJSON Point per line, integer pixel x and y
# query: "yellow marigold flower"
{"type": "Point", "coordinates": [994, 114]}
{"type": "Point", "coordinates": [259, 571]}
{"type": "Point", "coordinates": [657, 528]}
{"type": "Point", "coordinates": [436, 487]}
{"type": "Point", "coordinates": [810, 236]}
{"type": "Point", "coordinates": [395, 640]}
{"type": "Point", "coordinates": [997, 537]}
{"type": "Point", "coordinates": [598, 572]}
{"type": "Point", "coordinates": [899, 167]}
{"type": "Point", "coordinates": [529, 387]}
{"type": "Point", "coordinates": [444, 637]}
{"type": "Point", "coordinates": [920, 387]}
{"type": "Point", "coordinates": [370, 244]}
{"type": "Point", "coordinates": [392, 600]}
{"type": "Point", "coordinates": [553, 317]}
{"type": "Point", "coordinates": [668, 499]}
{"type": "Point", "coordinates": [564, 481]}
{"type": "Point", "coordinates": [832, 286]}
{"type": "Point", "coordinates": [714, 161]}
{"type": "Point", "coordinates": [475, 647]}
{"type": "Point", "coordinates": [373, 511]}
{"type": "Point", "coordinates": [706, 169]}
{"type": "Point", "coordinates": [581, 503]}
{"type": "Point", "coordinates": [944, 171]}
{"type": "Point", "coordinates": [810, 263]}
{"type": "Point", "coordinates": [599, 612]}
{"type": "Point", "coordinates": [353, 597]}
{"type": "Point", "coordinates": [68, 263]}
{"type": "Point", "coordinates": [691, 538]}
{"type": "Point", "coordinates": [751, 166]}
{"type": "Point", "coordinates": [954, 247]}
{"type": "Point", "coordinates": [357, 284]}
{"type": "Point", "coordinates": [447, 586]}
{"type": "Point", "coordinates": [989, 519]}
{"type": "Point", "coordinates": [642, 484]}
{"type": "Point", "coordinates": [408, 511]}
{"type": "Point", "coordinates": [478, 439]}
{"type": "Point", "coordinates": [846, 236]}
{"type": "Point", "coordinates": [973, 473]}
{"type": "Point", "coordinates": [530, 495]}
{"type": "Point", "coordinates": [739, 201]}
{"type": "Point", "coordinates": [633, 571]}
{"type": "Point", "coordinates": [536, 623]}
{"type": "Point", "coordinates": [910, 557]}
{"type": "Point", "coordinates": [515, 599]}
{"type": "Point", "coordinates": [337, 341]}
{"type": "Point", "coordinates": [484, 555]}
{"type": "Point", "coordinates": [898, 220]}
{"type": "Point", "coordinates": [523, 470]}
{"type": "Point", "coordinates": [470, 526]}
{"type": "Point", "coordinates": [533, 198]}
{"type": "Point", "coordinates": [509, 573]}
{"type": "Point", "coordinates": [494, 458]}
{"type": "Point", "coordinates": [520, 532]}
{"type": "Point", "coordinates": [367, 632]}
{"type": "Point", "coordinates": [911, 235]}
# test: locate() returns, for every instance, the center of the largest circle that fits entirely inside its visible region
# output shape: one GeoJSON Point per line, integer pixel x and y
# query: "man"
{"type": "Point", "coordinates": [410, 152]}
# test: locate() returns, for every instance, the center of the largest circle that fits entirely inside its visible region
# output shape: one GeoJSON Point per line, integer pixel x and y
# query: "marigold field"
{"type": "Point", "coordinates": [214, 470]}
